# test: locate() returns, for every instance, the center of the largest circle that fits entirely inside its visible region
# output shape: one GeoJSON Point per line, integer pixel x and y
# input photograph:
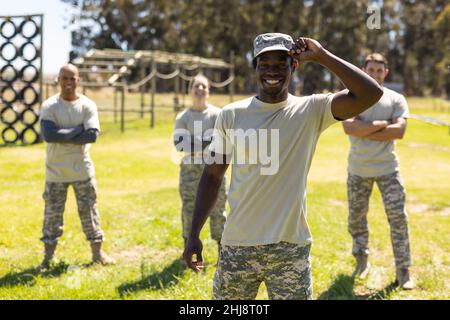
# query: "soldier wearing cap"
{"type": "Point", "coordinates": [266, 237]}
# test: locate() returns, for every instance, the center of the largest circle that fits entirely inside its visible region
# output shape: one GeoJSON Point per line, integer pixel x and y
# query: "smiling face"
{"type": "Point", "coordinates": [200, 88]}
{"type": "Point", "coordinates": [377, 70]}
{"type": "Point", "coordinates": [273, 74]}
{"type": "Point", "coordinates": [68, 79]}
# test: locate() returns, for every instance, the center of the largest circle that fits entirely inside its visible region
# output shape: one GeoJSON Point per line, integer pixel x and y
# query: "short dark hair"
{"type": "Point", "coordinates": [376, 57]}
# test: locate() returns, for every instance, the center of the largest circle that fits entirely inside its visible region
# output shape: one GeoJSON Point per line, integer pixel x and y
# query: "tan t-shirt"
{"type": "Point", "coordinates": [268, 205]}
{"type": "Point", "coordinates": [195, 124]}
{"type": "Point", "coordinates": [369, 158]}
{"type": "Point", "coordinates": [68, 162]}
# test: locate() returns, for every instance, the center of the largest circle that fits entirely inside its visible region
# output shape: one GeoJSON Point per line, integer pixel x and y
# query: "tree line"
{"type": "Point", "coordinates": [413, 34]}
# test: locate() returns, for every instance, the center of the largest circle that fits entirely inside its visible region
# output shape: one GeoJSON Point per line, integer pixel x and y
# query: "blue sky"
{"type": "Point", "coordinates": [56, 39]}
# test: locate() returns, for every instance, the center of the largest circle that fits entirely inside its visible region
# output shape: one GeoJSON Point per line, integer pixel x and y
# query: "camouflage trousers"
{"type": "Point", "coordinates": [55, 196]}
{"type": "Point", "coordinates": [190, 175]}
{"type": "Point", "coordinates": [393, 194]}
{"type": "Point", "coordinates": [284, 267]}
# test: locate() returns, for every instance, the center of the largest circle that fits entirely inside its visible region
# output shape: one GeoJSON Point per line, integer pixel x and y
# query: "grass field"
{"type": "Point", "coordinates": [140, 210]}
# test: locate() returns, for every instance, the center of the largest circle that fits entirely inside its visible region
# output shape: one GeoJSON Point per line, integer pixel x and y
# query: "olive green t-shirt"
{"type": "Point", "coordinates": [66, 162]}
{"type": "Point", "coordinates": [268, 198]}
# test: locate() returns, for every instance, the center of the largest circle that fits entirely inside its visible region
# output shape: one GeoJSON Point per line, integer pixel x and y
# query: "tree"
{"type": "Point", "coordinates": [441, 27]}
{"type": "Point", "coordinates": [413, 34]}
{"type": "Point", "coordinates": [421, 45]}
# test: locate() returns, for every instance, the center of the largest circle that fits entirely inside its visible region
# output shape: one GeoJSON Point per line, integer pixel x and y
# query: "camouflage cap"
{"type": "Point", "coordinates": [271, 42]}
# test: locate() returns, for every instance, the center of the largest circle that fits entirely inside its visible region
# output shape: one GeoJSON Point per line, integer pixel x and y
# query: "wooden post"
{"type": "Point", "coordinates": [176, 102]}
{"type": "Point", "coordinates": [142, 102]}
{"type": "Point", "coordinates": [183, 92]}
{"type": "Point", "coordinates": [115, 105]}
{"type": "Point", "coordinates": [122, 110]}
{"type": "Point", "coordinates": [152, 105]}
{"type": "Point", "coordinates": [142, 93]}
{"type": "Point", "coordinates": [232, 74]}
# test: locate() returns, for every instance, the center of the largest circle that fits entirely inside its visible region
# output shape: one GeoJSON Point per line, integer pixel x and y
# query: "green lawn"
{"type": "Point", "coordinates": [140, 210]}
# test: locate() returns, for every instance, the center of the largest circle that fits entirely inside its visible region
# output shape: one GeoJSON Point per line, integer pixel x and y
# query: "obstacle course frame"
{"type": "Point", "coordinates": [102, 68]}
{"type": "Point", "coordinates": [21, 43]}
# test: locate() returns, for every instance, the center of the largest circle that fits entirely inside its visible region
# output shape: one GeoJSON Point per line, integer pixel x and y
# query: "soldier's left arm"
{"type": "Point", "coordinates": [87, 136]}
{"type": "Point", "coordinates": [394, 131]}
{"type": "Point", "coordinates": [91, 126]}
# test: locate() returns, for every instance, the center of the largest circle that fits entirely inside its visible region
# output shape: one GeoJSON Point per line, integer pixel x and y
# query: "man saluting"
{"type": "Point", "coordinates": [266, 236]}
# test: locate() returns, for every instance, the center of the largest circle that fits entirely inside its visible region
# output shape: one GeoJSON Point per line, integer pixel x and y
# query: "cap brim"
{"type": "Point", "coordinates": [272, 48]}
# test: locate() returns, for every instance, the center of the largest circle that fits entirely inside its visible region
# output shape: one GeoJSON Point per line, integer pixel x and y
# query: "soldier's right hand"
{"type": "Point", "coordinates": [193, 246]}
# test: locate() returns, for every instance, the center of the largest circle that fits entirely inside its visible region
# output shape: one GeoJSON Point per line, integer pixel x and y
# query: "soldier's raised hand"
{"type": "Point", "coordinates": [306, 49]}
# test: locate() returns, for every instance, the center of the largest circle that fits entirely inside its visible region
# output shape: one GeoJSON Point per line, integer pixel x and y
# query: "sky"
{"type": "Point", "coordinates": [56, 39]}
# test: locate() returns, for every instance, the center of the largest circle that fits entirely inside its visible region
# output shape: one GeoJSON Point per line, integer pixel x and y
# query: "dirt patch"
{"type": "Point", "coordinates": [131, 254]}
{"type": "Point", "coordinates": [422, 207]}
{"type": "Point", "coordinates": [378, 276]}
{"type": "Point", "coordinates": [418, 207]}
{"type": "Point", "coordinates": [445, 212]}
{"type": "Point", "coordinates": [137, 253]}
{"type": "Point", "coordinates": [338, 203]}
{"type": "Point", "coordinates": [160, 255]}
{"type": "Point", "coordinates": [362, 292]}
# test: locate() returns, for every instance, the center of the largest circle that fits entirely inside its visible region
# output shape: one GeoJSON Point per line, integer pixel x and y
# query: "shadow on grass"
{"type": "Point", "coordinates": [18, 144]}
{"type": "Point", "coordinates": [10, 145]}
{"type": "Point", "coordinates": [343, 289]}
{"type": "Point", "coordinates": [385, 293]}
{"type": "Point", "coordinates": [158, 280]}
{"type": "Point", "coordinates": [28, 276]}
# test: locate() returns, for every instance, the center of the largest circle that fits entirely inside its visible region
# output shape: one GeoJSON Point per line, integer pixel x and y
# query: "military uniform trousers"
{"type": "Point", "coordinates": [190, 175]}
{"type": "Point", "coordinates": [392, 191]}
{"type": "Point", "coordinates": [55, 196]}
{"type": "Point", "coordinates": [284, 267]}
